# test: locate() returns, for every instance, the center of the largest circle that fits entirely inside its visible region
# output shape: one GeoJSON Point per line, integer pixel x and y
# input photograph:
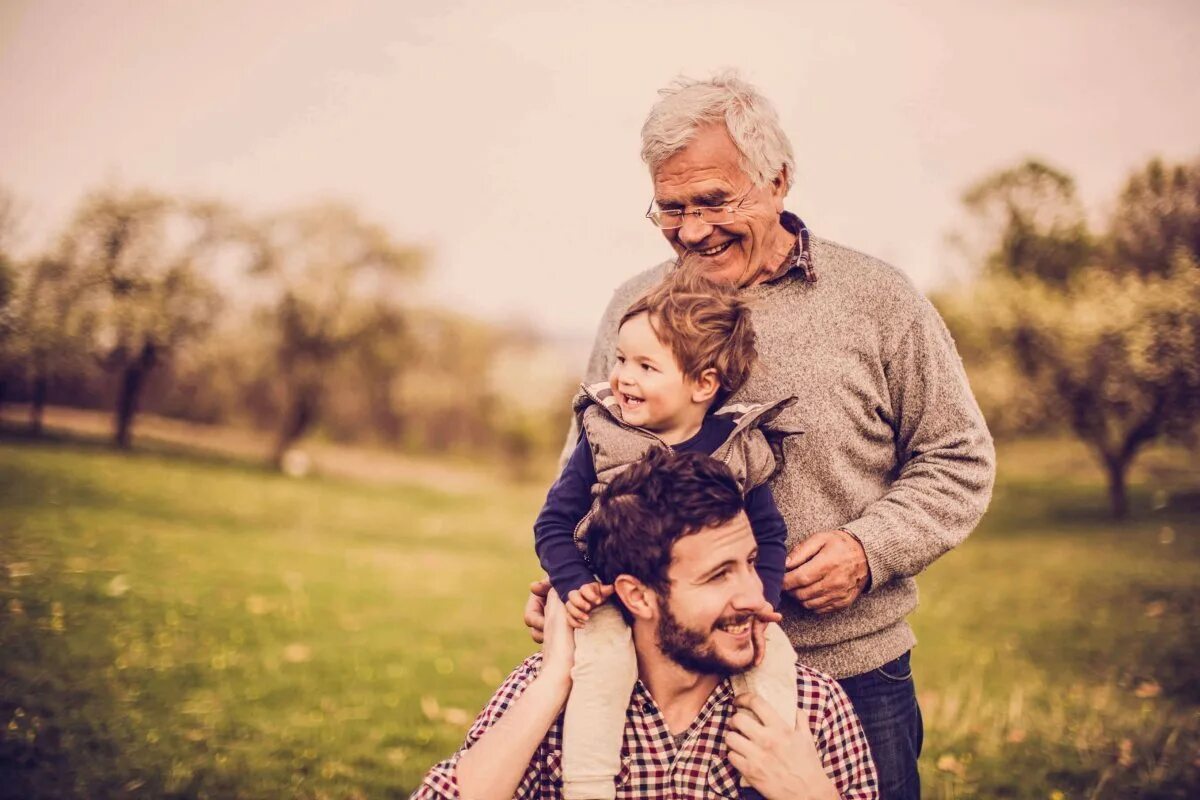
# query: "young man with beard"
{"type": "Point", "coordinates": [672, 537]}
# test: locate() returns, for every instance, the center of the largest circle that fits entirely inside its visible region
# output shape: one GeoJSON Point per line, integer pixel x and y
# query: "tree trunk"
{"type": "Point", "coordinates": [1116, 469]}
{"type": "Point", "coordinates": [37, 403]}
{"type": "Point", "coordinates": [300, 416]}
{"type": "Point", "coordinates": [132, 380]}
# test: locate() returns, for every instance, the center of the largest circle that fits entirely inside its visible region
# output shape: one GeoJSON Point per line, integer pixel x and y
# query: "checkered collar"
{"type": "Point", "coordinates": [799, 259]}
{"type": "Point", "coordinates": [643, 703]}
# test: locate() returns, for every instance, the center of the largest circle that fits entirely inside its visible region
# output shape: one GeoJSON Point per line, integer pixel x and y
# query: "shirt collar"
{"type": "Point", "coordinates": [799, 259]}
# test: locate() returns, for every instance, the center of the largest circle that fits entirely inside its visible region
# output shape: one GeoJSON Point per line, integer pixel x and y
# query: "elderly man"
{"type": "Point", "coordinates": [895, 466]}
{"type": "Point", "coordinates": [672, 537]}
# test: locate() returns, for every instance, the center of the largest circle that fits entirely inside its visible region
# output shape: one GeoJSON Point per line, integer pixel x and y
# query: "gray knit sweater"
{"type": "Point", "coordinates": [894, 447]}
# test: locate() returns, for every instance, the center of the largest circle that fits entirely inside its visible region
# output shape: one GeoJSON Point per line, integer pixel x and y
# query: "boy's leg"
{"type": "Point", "coordinates": [774, 680]}
{"type": "Point", "coordinates": [594, 724]}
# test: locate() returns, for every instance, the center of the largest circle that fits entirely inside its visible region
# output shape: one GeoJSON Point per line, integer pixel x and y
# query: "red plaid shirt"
{"type": "Point", "coordinates": [652, 764]}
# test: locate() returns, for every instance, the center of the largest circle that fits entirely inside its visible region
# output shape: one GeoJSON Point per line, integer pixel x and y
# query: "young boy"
{"type": "Point", "coordinates": [681, 350]}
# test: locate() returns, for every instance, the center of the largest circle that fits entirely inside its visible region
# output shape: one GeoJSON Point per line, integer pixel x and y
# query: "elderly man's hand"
{"type": "Point", "coordinates": [827, 571]}
{"type": "Point", "coordinates": [778, 762]}
{"type": "Point", "coordinates": [535, 609]}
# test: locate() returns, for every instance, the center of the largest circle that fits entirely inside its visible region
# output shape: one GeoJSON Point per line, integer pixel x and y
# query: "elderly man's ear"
{"type": "Point", "coordinates": [640, 599]}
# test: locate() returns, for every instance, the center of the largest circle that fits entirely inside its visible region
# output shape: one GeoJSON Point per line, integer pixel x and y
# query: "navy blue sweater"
{"type": "Point", "coordinates": [570, 498]}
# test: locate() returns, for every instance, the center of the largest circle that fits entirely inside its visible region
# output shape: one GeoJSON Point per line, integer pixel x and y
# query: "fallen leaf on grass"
{"type": "Point", "coordinates": [456, 716]}
{"type": "Point", "coordinates": [297, 653]}
{"type": "Point", "coordinates": [117, 586]}
{"type": "Point", "coordinates": [430, 707]}
{"type": "Point", "coordinates": [950, 763]}
{"type": "Point", "coordinates": [257, 605]}
{"type": "Point", "coordinates": [1155, 609]}
{"type": "Point", "coordinates": [20, 569]}
{"type": "Point", "coordinates": [1125, 753]}
{"type": "Point", "coordinates": [1147, 689]}
{"type": "Point", "coordinates": [1016, 735]}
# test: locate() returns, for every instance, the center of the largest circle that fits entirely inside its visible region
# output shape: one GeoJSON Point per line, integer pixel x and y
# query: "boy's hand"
{"type": "Point", "coordinates": [581, 601]}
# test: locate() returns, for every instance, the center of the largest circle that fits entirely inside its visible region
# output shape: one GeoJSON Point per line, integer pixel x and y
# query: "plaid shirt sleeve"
{"type": "Point", "coordinates": [440, 782]}
{"type": "Point", "coordinates": [846, 754]}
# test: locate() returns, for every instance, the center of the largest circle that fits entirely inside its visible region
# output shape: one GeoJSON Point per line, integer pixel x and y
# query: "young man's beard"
{"type": "Point", "coordinates": [690, 649]}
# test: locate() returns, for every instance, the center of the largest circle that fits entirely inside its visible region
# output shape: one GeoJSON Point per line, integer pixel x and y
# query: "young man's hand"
{"type": "Point", "coordinates": [765, 615]}
{"type": "Point", "coordinates": [558, 647]}
{"type": "Point", "coordinates": [535, 609]}
{"type": "Point", "coordinates": [581, 601]}
{"type": "Point", "coordinates": [778, 762]}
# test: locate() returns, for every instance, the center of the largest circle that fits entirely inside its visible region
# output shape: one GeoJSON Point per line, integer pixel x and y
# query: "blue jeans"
{"type": "Point", "coordinates": [886, 702]}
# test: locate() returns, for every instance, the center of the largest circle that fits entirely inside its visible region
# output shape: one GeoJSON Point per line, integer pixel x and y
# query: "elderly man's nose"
{"type": "Point", "coordinates": [693, 229]}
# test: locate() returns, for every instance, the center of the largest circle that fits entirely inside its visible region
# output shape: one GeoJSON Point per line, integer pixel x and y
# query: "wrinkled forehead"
{"type": "Point", "coordinates": [707, 171]}
{"type": "Point", "coordinates": [698, 553]}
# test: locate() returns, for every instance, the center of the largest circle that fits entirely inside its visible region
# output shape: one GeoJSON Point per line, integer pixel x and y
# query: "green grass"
{"type": "Point", "coordinates": [187, 628]}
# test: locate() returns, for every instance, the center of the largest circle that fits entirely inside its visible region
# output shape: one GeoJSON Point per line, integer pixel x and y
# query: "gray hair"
{"type": "Point", "coordinates": [687, 105]}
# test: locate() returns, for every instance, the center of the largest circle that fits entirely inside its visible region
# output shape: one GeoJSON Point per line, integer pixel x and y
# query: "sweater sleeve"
{"type": "Point", "coordinates": [567, 503]}
{"type": "Point", "coordinates": [770, 531]}
{"type": "Point", "coordinates": [947, 462]}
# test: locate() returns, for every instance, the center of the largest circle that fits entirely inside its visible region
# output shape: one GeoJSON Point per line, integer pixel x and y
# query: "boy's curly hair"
{"type": "Point", "coordinates": [704, 324]}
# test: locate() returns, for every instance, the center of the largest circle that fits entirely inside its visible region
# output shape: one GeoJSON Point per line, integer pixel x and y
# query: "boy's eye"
{"type": "Point", "coordinates": [648, 368]}
{"type": "Point", "coordinates": [620, 359]}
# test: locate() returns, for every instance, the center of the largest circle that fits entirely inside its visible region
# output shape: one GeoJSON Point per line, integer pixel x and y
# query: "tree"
{"type": "Point", "coordinates": [8, 288]}
{"type": "Point", "coordinates": [1158, 214]}
{"type": "Point", "coordinates": [1032, 222]}
{"type": "Point", "coordinates": [49, 330]}
{"type": "Point", "coordinates": [143, 258]}
{"type": "Point", "coordinates": [1111, 345]}
{"type": "Point", "coordinates": [335, 283]}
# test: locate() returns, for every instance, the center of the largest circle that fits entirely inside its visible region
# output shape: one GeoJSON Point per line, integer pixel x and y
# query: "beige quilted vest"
{"type": "Point", "coordinates": [753, 451]}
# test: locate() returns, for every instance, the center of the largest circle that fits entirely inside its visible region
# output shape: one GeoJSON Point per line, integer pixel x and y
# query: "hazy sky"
{"type": "Point", "coordinates": [505, 135]}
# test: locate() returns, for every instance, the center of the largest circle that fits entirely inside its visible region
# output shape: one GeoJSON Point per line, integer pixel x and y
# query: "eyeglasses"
{"type": "Point", "coordinates": [710, 215]}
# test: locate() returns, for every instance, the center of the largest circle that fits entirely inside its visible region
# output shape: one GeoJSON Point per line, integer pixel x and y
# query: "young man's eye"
{"type": "Point", "coordinates": [718, 576]}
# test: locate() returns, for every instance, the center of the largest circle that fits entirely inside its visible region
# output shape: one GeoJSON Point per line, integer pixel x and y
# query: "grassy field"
{"type": "Point", "coordinates": [183, 627]}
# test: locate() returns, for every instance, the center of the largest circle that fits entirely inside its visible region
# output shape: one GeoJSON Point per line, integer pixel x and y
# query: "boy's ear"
{"type": "Point", "coordinates": [706, 386]}
{"type": "Point", "coordinates": [639, 599]}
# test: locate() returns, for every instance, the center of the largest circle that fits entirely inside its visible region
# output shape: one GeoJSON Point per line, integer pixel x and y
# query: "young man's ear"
{"type": "Point", "coordinates": [706, 386]}
{"type": "Point", "coordinates": [640, 600]}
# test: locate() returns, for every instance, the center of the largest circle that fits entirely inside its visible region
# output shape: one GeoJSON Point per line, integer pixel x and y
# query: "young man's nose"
{"type": "Point", "coordinates": [749, 591]}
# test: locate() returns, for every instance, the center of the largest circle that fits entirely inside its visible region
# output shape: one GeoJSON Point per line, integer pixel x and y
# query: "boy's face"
{"type": "Point", "coordinates": [649, 385]}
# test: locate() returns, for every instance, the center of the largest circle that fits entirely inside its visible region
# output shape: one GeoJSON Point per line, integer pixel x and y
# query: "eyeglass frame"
{"type": "Point", "coordinates": [680, 213]}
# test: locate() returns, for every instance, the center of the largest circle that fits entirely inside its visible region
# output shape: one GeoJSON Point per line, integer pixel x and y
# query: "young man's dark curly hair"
{"type": "Point", "coordinates": [653, 503]}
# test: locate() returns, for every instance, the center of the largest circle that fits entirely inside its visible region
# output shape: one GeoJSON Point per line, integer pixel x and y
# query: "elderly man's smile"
{"type": "Point", "coordinates": [715, 250]}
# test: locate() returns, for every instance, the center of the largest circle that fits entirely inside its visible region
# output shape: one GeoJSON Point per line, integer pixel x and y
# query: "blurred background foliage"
{"type": "Point", "coordinates": [297, 324]}
{"type": "Point", "coordinates": [1093, 332]}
